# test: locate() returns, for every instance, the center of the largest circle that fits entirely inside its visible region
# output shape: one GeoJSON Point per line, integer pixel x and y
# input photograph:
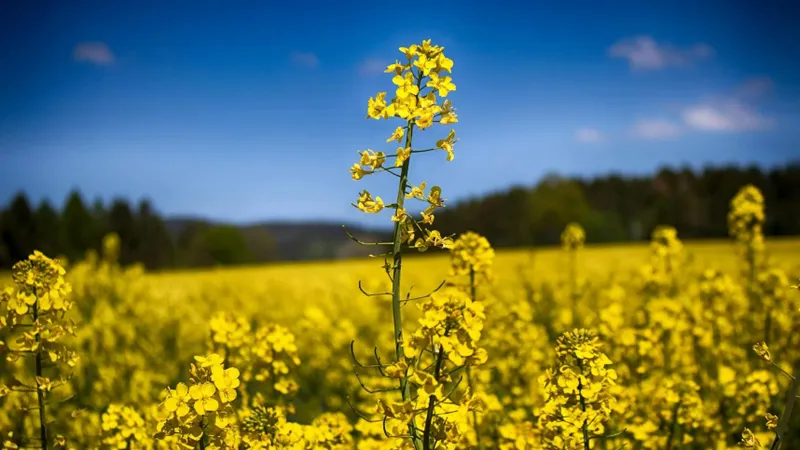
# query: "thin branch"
{"type": "Point", "coordinates": [410, 299]}
{"type": "Point", "coordinates": [372, 391]}
{"type": "Point", "coordinates": [368, 294]}
{"type": "Point", "coordinates": [358, 413]}
{"type": "Point", "coordinates": [356, 240]}
{"type": "Point", "coordinates": [353, 355]}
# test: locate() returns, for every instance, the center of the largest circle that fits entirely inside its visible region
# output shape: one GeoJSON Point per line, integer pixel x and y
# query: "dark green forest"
{"type": "Point", "coordinates": [612, 208]}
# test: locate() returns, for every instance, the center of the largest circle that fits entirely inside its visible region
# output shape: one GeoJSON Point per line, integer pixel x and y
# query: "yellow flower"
{"type": "Point", "coordinates": [402, 155]}
{"type": "Point", "coordinates": [203, 394]}
{"type": "Point", "coordinates": [376, 107]}
{"type": "Point", "coordinates": [357, 172]}
{"type": "Point", "coordinates": [397, 135]}
{"type": "Point", "coordinates": [447, 144]}
{"type": "Point", "coordinates": [405, 85]}
{"type": "Point", "coordinates": [425, 119]}
{"type": "Point", "coordinates": [409, 51]}
{"type": "Point", "coordinates": [417, 192]}
{"type": "Point", "coordinates": [772, 421]}
{"type": "Point", "coordinates": [444, 84]}
{"type": "Point", "coordinates": [425, 64]}
{"type": "Point", "coordinates": [178, 399]}
{"type": "Point", "coordinates": [226, 381]}
{"type": "Point", "coordinates": [749, 439]}
{"type": "Point", "coordinates": [397, 370]}
{"type": "Point", "coordinates": [444, 63]}
{"type": "Point", "coordinates": [397, 68]}
{"type": "Point", "coordinates": [448, 113]}
{"type": "Point", "coordinates": [209, 360]}
{"type": "Point", "coordinates": [762, 351]}
{"type": "Point", "coordinates": [368, 205]}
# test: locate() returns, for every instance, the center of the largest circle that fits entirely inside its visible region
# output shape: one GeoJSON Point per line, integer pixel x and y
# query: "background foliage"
{"type": "Point", "coordinates": [611, 208]}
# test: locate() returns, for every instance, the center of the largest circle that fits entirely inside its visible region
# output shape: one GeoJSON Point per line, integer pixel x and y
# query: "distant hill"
{"type": "Point", "coordinates": [298, 241]}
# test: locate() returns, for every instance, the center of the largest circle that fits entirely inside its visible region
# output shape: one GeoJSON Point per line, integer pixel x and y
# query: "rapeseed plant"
{"type": "Point", "coordinates": [572, 240]}
{"type": "Point", "coordinates": [124, 428]}
{"type": "Point", "coordinates": [472, 255]}
{"type": "Point", "coordinates": [199, 413]}
{"type": "Point", "coordinates": [777, 423]}
{"type": "Point", "coordinates": [578, 393]}
{"type": "Point", "coordinates": [267, 354]}
{"type": "Point", "coordinates": [32, 319]}
{"type": "Point", "coordinates": [423, 68]}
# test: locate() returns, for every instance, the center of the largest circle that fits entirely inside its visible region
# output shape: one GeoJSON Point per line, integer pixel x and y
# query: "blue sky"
{"type": "Point", "coordinates": [255, 110]}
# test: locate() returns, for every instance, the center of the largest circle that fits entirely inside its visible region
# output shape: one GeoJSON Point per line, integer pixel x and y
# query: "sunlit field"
{"type": "Point", "coordinates": [138, 333]}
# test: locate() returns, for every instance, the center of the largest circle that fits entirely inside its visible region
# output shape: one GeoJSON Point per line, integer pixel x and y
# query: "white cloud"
{"type": "Point", "coordinates": [655, 129]}
{"type": "Point", "coordinates": [730, 115]}
{"type": "Point", "coordinates": [303, 59]}
{"type": "Point", "coordinates": [588, 135]}
{"type": "Point", "coordinates": [96, 53]}
{"type": "Point", "coordinates": [371, 66]}
{"type": "Point", "coordinates": [644, 53]}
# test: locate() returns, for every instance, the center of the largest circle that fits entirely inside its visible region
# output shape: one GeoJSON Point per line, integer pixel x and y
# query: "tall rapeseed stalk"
{"type": "Point", "coordinates": [472, 255]}
{"type": "Point", "coordinates": [32, 321]}
{"type": "Point", "coordinates": [572, 239]}
{"type": "Point", "coordinates": [420, 82]}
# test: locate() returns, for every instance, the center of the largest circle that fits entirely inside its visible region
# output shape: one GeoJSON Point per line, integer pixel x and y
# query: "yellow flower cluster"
{"type": "Point", "coordinates": [268, 354]}
{"type": "Point", "coordinates": [266, 428]}
{"type": "Point", "coordinates": [665, 243]}
{"type": "Point", "coordinates": [124, 428]}
{"type": "Point", "coordinates": [424, 68]}
{"type": "Point", "coordinates": [577, 393]}
{"type": "Point", "coordinates": [33, 323]}
{"type": "Point", "coordinates": [746, 217]}
{"type": "Point", "coordinates": [448, 333]}
{"type": "Point", "coordinates": [40, 282]}
{"type": "Point", "coordinates": [471, 255]}
{"type": "Point", "coordinates": [573, 236]}
{"type": "Point", "coordinates": [452, 322]}
{"type": "Point", "coordinates": [201, 410]}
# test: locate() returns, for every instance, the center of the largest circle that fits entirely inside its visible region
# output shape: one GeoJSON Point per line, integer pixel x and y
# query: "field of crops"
{"type": "Point", "coordinates": [659, 346]}
{"type": "Point", "coordinates": [686, 371]}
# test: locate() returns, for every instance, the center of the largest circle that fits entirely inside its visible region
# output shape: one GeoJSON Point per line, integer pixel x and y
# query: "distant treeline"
{"type": "Point", "coordinates": [144, 235]}
{"type": "Point", "coordinates": [611, 208]}
{"type": "Point", "coordinates": [618, 208]}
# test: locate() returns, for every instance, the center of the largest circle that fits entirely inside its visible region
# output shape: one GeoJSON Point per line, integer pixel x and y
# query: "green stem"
{"type": "Point", "coordinates": [39, 393]}
{"type": "Point", "coordinates": [397, 260]}
{"type": "Point", "coordinates": [426, 435]}
{"type": "Point", "coordinates": [783, 420]}
{"type": "Point", "coordinates": [674, 428]}
{"type": "Point", "coordinates": [573, 289]}
{"type": "Point", "coordinates": [585, 426]}
{"type": "Point", "coordinates": [204, 437]}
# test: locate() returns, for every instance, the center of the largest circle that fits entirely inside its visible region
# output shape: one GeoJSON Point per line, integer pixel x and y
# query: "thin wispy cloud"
{"type": "Point", "coordinates": [97, 53]}
{"type": "Point", "coordinates": [588, 135]}
{"type": "Point", "coordinates": [655, 129]}
{"type": "Point", "coordinates": [734, 112]}
{"type": "Point", "coordinates": [371, 66]}
{"type": "Point", "coordinates": [729, 116]}
{"type": "Point", "coordinates": [644, 53]}
{"type": "Point", "coordinates": [305, 59]}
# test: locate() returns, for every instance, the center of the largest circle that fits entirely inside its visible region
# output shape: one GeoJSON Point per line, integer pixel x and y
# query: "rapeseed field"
{"type": "Point", "coordinates": [659, 346]}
